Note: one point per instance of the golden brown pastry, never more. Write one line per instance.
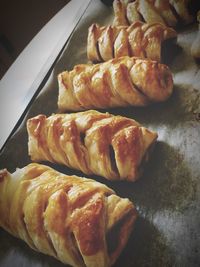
(167, 12)
(118, 82)
(195, 48)
(111, 146)
(78, 221)
(139, 39)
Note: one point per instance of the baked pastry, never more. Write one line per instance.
(118, 82)
(111, 146)
(78, 221)
(195, 48)
(167, 12)
(139, 39)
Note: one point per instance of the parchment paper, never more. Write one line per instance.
(167, 197)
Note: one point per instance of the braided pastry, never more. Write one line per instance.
(78, 221)
(167, 12)
(114, 147)
(140, 39)
(118, 82)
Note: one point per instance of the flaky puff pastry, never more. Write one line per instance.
(118, 82)
(111, 146)
(167, 12)
(139, 39)
(78, 221)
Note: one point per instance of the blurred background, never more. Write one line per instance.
(20, 21)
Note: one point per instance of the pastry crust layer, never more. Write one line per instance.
(168, 12)
(71, 218)
(114, 147)
(139, 39)
(124, 81)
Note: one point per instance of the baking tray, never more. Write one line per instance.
(167, 197)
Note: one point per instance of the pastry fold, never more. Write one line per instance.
(111, 146)
(76, 220)
(124, 81)
(139, 39)
(168, 12)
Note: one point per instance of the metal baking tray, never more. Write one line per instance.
(167, 197)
